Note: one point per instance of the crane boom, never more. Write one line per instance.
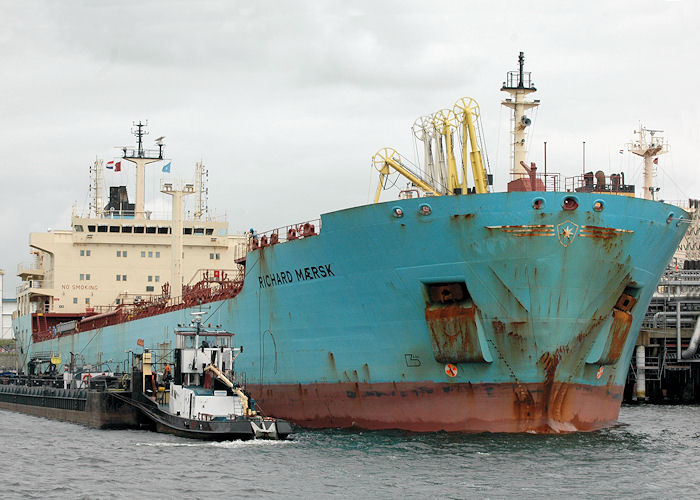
(444, 121)
(387, 158)
(467, 109)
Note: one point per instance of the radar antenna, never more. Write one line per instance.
(141, 157)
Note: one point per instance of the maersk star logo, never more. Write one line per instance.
(567, 231)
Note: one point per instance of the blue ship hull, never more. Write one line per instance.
(478, 313)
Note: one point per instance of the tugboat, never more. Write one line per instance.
(205, 398)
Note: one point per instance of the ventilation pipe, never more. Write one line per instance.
(694, 342)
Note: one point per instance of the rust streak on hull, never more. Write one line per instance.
(431, 406)
(453, 333)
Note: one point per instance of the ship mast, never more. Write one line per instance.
(649, 146)
(141, 157)
(201, 191)
(97, 187)
(177, 191)
(518, 84)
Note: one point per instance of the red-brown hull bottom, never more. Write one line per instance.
(458, 407)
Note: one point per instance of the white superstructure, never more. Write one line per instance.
(119, 254)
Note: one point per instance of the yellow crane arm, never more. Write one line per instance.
(236, 390)
(444, 121)
(220, 375)
(468, 109)
(388, 157)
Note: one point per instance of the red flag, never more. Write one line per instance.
(656, 161)
(118, 166)
(139, 342)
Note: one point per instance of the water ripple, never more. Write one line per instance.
(652, 453)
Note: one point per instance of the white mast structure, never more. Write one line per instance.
(201, 191)
(98, 188)
(178, 191)
(519, 85)
(649, 146)
(141, 157)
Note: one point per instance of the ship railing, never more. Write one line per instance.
(240, 250)
(207, 289)
(687, 204)
(33, 284)
(667, 319)
(32, 267)
(215, 276)
(690, 277)
(513, 80)
(142, 153)
(100, 309)
(534, 181)
(283, 234)
(598, 183)
(654, 366)
(158, 216)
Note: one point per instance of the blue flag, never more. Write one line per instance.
(166, 167)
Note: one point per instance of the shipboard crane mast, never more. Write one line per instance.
(467, 112)
(387, 158)
(423, 130)
(443, 178)
(445, 121)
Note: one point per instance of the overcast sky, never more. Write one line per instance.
(286, 102)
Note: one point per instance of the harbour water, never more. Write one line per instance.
(654, 452)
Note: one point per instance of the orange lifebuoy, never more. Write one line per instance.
(600, 372)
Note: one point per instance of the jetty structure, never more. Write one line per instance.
(666, 365)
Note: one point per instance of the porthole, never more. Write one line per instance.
(398, 212)
(569, 203)
(425, 209)
(598, 205)
(538, 203)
